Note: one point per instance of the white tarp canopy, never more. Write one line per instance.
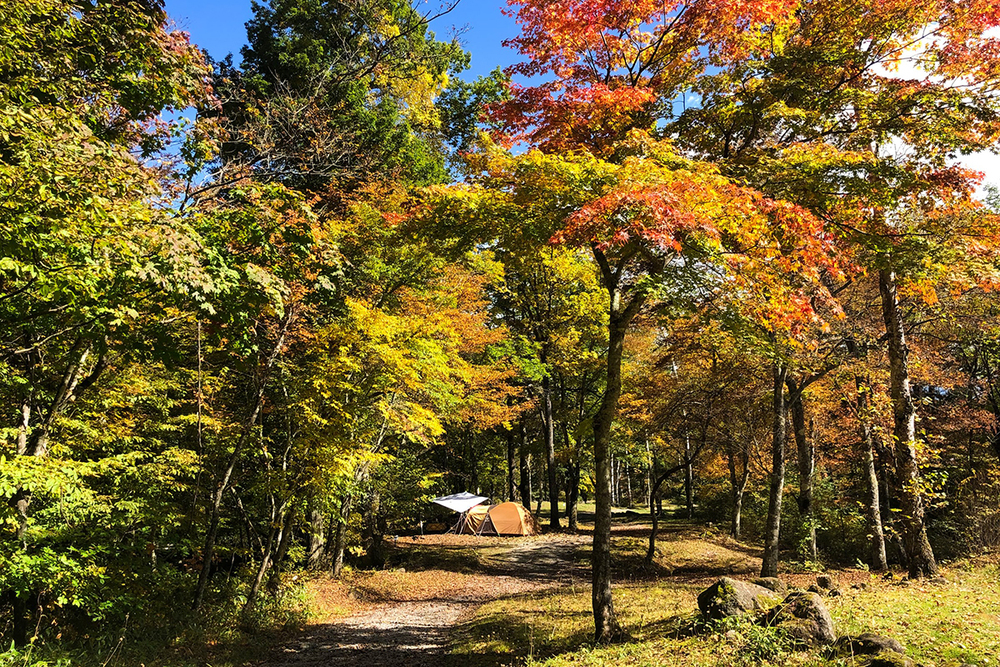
(460, 502)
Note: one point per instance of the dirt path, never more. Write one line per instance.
(418, 632)
(405, 633)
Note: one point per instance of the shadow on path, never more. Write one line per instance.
(419, 633)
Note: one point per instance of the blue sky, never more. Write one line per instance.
(218, 26)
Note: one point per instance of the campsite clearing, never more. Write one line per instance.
(467, 601)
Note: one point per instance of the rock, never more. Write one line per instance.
(772, 584)
(827, 581)
(859, 586)
(731, 597)
(804, 617)
(939, 581)
(867, 644)
(834, 593)
(814, 588)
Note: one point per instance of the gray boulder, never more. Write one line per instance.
(772, 584)
(732, 597)
(804, 617)
(867, 644)
(827, 581)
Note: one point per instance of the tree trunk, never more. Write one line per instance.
(737, 527)
(20, 621)
(317, 540)
(738, 481)
(510, 466)
(373, 525)
(606, 626)
(688, 478)
(573, 495)
(918, 549)
(769, 565)
(611, 478)
(525, 465)
(873, 507)
(24, 426)
(649, 473)
(620, 315)
(274, 581)
(549, 434)
(807, 464)
(340, 539)
(651, 549)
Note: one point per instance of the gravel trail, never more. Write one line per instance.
(418, 633)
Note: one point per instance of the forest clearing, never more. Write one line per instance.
(499, 332)
(490, 602)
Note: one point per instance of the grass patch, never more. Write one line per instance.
(944, 624)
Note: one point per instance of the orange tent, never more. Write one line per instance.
(503, 519)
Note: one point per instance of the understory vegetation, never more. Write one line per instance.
(711, 271)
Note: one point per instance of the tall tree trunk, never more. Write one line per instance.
(525, 465)
(510, 466)
(739, 477)
(25, 425)
(611, 479)
(340, 537)
(573, 495)
(807, 463)
(628, 485)
(549, 435)
(606, 626)
(317, 539)
(918, 549)
(873, 507)
(620, 316)
(772, 532)
(274, 581)
(208, 551)
(572, 483)
(649, 473)
(688, 478)
(373, 525)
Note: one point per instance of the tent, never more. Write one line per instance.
(503, 519)
(465, 504)
(459, 502)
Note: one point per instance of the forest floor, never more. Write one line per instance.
(486, 602)
(406, 615)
